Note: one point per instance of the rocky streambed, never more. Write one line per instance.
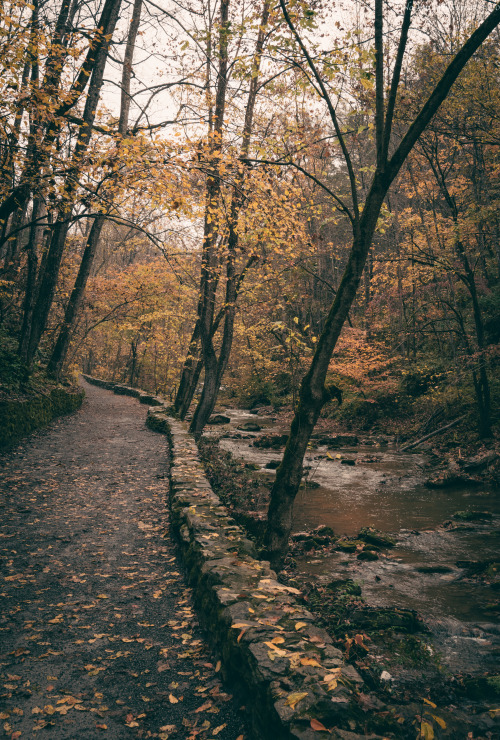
(425, 594)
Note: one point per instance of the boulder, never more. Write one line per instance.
(367, 555)
(271, 441)
(249, 426)
(374, 537)
(219, 419)
(449, 478)
(272, 464)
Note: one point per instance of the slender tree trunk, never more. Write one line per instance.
(48, 280)
(313, 394)
(62, 344)
(187, 387)
(216, 367)
(29, 293)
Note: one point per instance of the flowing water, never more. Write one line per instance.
(385, 489)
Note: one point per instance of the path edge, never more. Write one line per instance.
(21, 417)
(272, 655)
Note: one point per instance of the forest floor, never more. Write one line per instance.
(97, 628)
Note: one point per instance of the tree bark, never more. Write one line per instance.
(62, 344)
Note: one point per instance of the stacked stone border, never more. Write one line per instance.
(18, 418)
(287, 672)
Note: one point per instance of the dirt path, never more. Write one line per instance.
(97, 630)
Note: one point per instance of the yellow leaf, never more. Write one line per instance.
(278, 640)
(310, 661)
(430, 703)
(293, 699)
(426, 731)
(440, 721)
(172, 699)
(300, 625)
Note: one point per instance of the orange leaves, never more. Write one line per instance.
(318, 726)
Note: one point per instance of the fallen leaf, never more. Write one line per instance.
(102, 727)
(316, 725)
(293, 699)
(218, 729)
(426, 731)
(172, 699)
(218, 666)
(203, 707)
(310, 661)
(300, 625)
(440, 721)
(430, 703)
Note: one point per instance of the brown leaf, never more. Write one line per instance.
(317, 726)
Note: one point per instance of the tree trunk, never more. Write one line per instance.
(216, 367)
(62, 344)
(48, 280)
(313, 394)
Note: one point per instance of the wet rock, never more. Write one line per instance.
(474, 567)
(347, 461)
(249, 426)
(300, 536)
(449, 478)
(374, 537)
(346, 585)
(434, 569)
(473, 516)
(380, 619)
(346, 546)
(480, 462)
(369, 459)
(338, 440)
(367, 555)
(219, 419)
(272, 464)
(271, 441)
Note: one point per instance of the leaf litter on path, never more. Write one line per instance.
(97, 625)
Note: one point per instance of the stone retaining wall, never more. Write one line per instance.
(293, 681)
(19, 418)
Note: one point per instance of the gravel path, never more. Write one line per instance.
(97, 632)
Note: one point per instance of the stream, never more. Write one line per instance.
(433, 567)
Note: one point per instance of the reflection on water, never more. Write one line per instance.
(387, 494)
(384, 489)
